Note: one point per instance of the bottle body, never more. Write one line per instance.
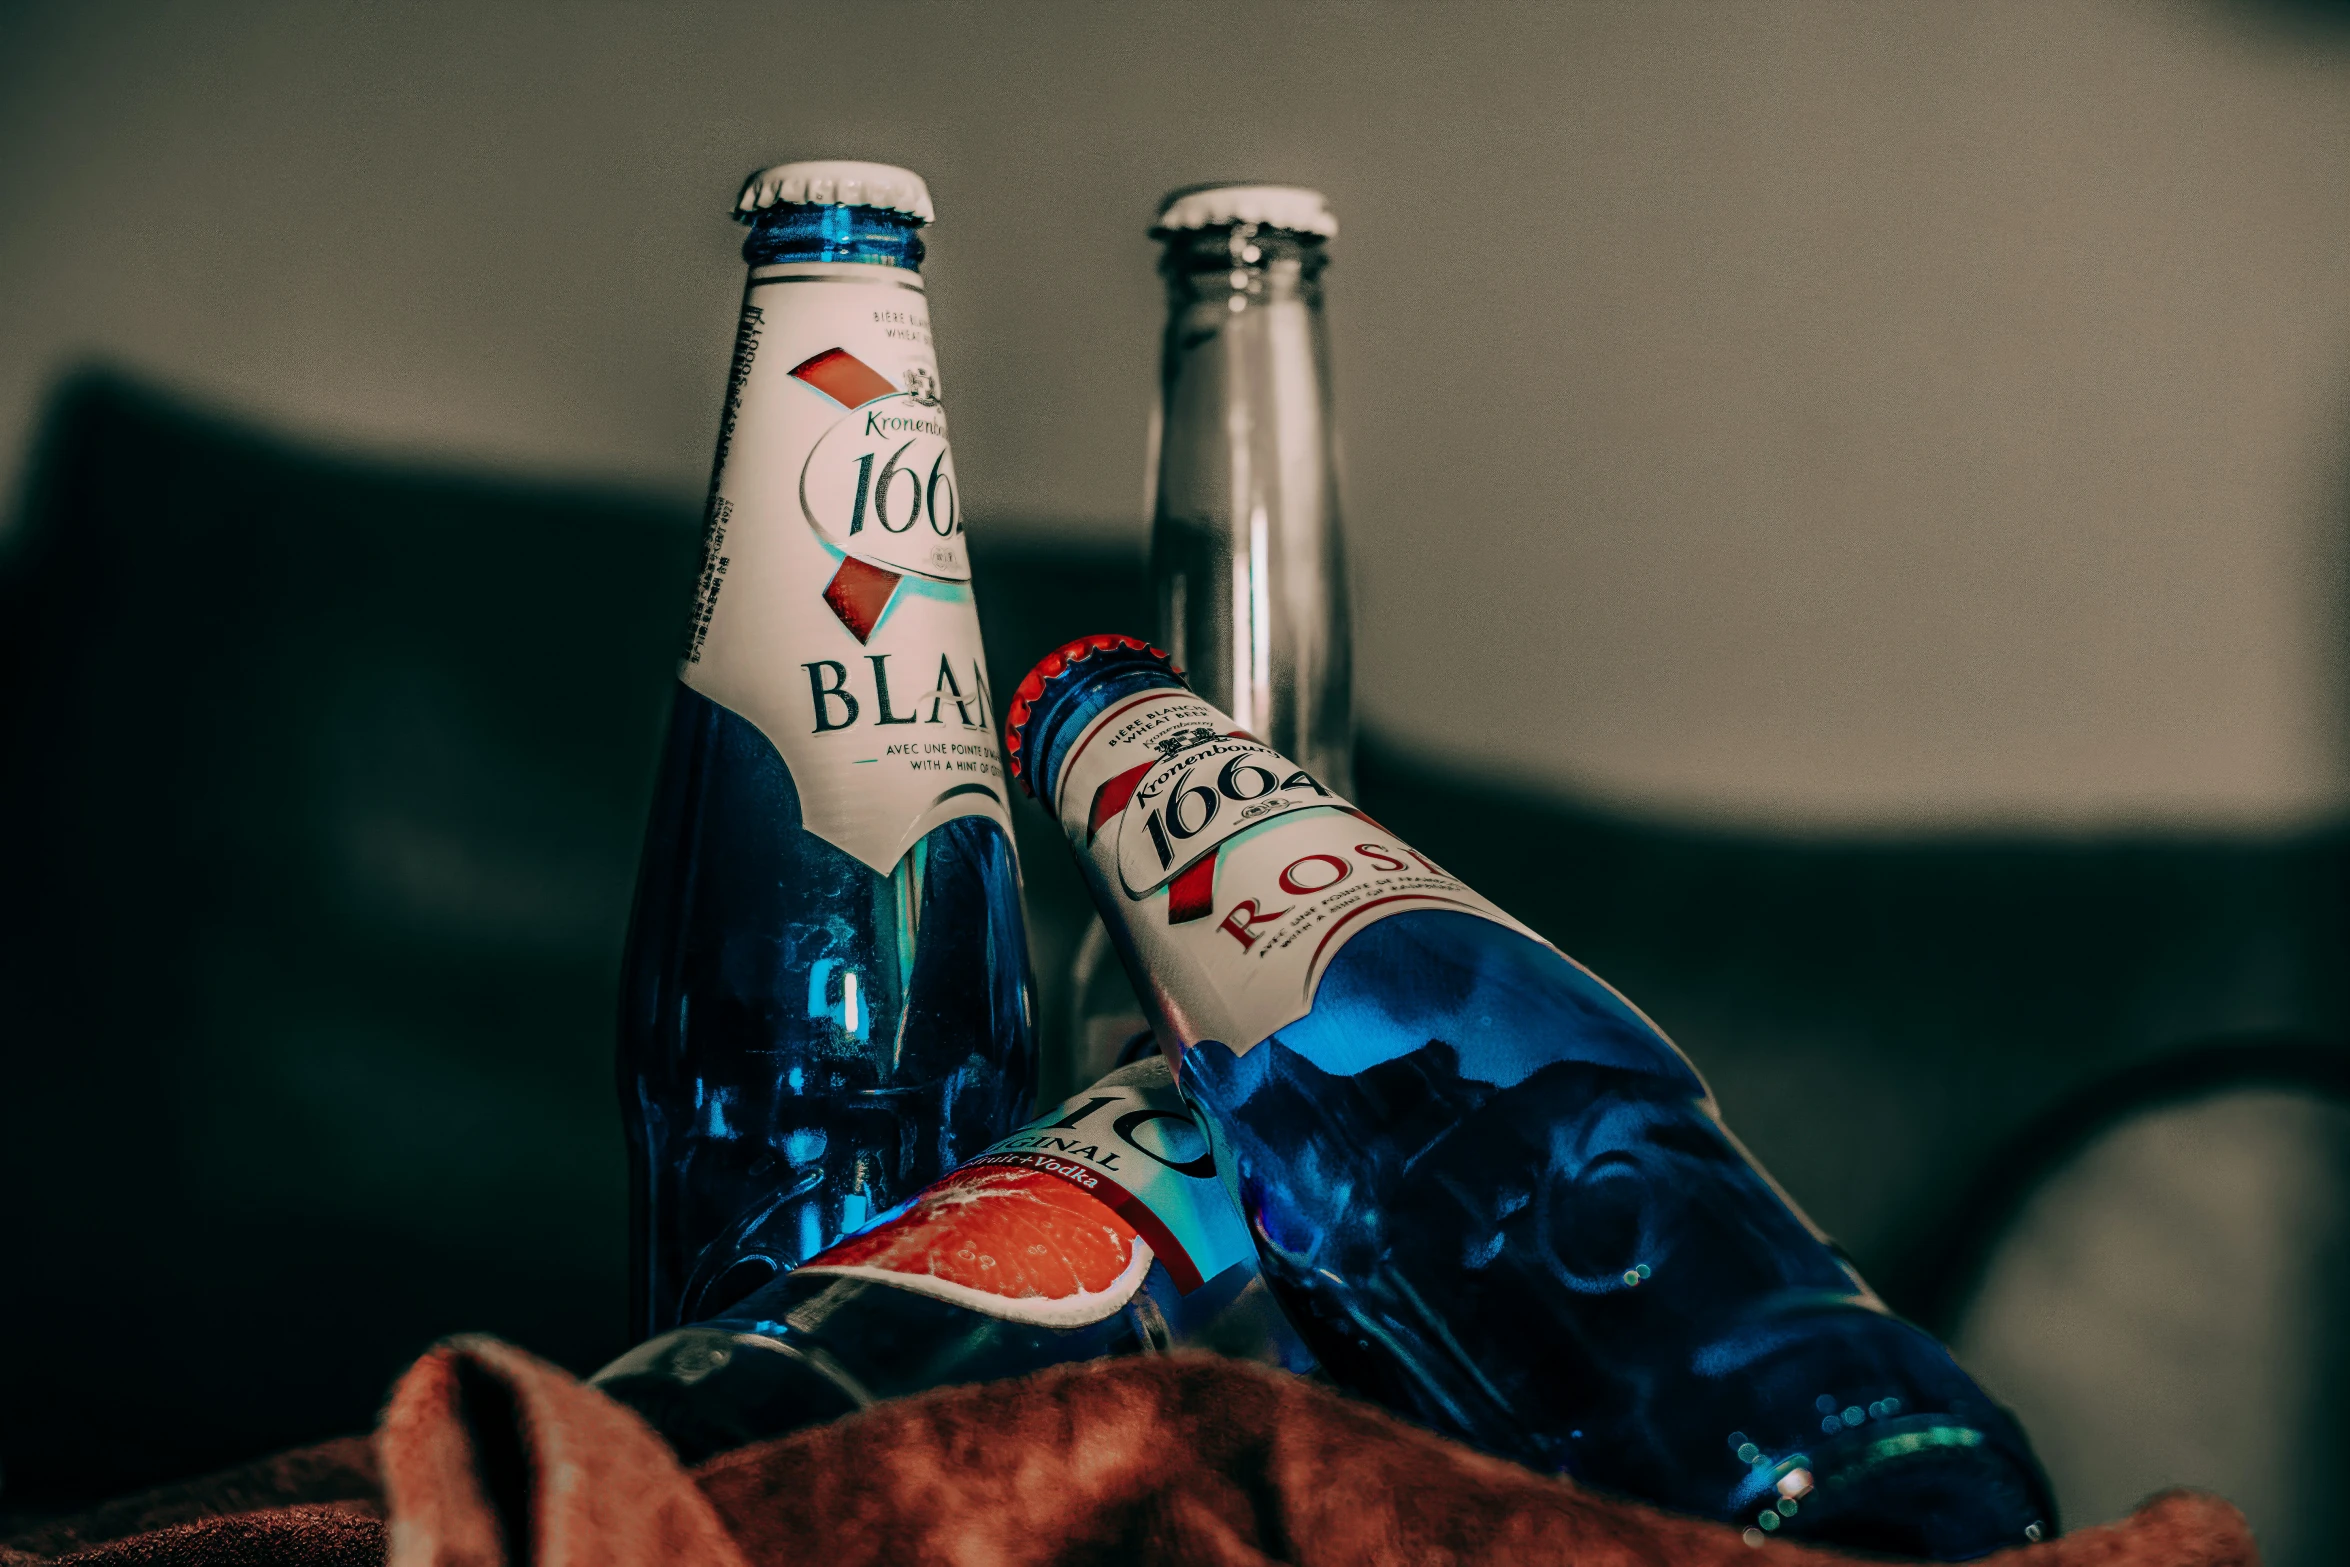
(826, 1000)
(806, 1043)
(1100, 1229)
(1248, 555)
(1485, 1189)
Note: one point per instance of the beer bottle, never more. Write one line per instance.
(1484, 1188)
(1098, 1229)
(1247, 557)
(826, 1001)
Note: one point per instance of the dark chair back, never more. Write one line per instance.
(2156, 1277)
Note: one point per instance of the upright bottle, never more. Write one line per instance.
(1247, 557)
(1483, 1187)
(826, 1002)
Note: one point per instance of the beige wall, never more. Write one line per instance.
(1813, 413)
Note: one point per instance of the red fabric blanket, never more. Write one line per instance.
(488, 1457)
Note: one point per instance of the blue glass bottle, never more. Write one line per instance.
(826, 997)
(1484, 1188)
(819, 1343)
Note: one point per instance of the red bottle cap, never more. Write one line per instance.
(1052, 664)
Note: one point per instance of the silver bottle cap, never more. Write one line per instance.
(1290, 207)
(835, 182)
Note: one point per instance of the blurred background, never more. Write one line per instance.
(1867, 486)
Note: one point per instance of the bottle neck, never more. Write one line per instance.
(1246, 549)
(876, 236)
(1071, 702)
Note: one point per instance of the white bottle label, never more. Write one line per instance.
(834, 610)
(1239, 875)
(1059, 1223)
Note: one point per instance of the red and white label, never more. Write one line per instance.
(834, 609)
(1058, 1223)
(1023, 1244)
(1238, 875)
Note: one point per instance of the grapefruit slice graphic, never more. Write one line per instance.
(1012, 1243)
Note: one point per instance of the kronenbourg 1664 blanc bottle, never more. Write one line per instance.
(1100, 1228)
(826, 1002)
(1484, 1188)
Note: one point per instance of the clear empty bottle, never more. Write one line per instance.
(826, 1001)
(1248, 559)
(1484, 1188)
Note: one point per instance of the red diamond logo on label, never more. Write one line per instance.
(1192, 895)
(859, 592)
(843, 377)
(1111, 798)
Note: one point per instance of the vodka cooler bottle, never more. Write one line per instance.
(826, 1002)
(1247, 557)
(1484, 1188)
(1098, 1229)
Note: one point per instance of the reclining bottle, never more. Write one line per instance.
(1484, 1188)
(1100, 1228)
(1248, 560)
(826, 1001)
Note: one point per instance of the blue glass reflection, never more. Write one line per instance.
(873, 235)
(803, 1041)
(1488, 1193)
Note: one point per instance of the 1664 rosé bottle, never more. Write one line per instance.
(1484, 1188)
(826, 1001)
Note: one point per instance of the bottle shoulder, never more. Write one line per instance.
(1496, 1003)
(722, 778)
(710, 1388)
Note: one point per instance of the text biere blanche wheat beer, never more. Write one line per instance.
(1484, 1188)
(826, 1001)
